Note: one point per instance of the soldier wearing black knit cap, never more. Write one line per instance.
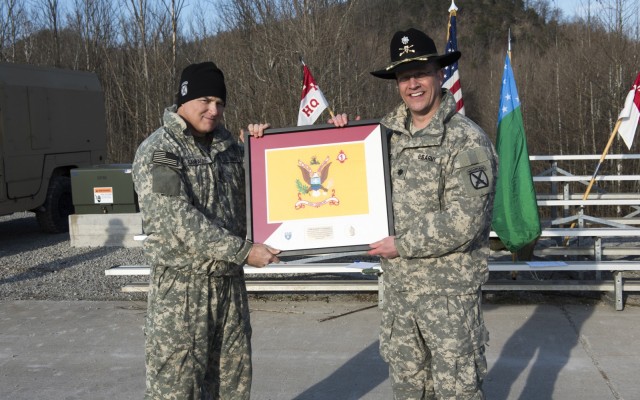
(190, 182)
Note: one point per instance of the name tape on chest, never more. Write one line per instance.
(424, 157)
(192, 162)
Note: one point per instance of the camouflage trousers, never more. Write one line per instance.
(198, 337)
(434, 345)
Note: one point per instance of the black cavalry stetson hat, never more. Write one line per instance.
(410, 47)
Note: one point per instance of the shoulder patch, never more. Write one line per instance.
(478, 178)
(165, 158)
(476, 172)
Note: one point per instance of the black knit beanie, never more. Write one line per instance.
(201, 80)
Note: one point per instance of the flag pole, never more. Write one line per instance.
(509, 45)
(452, 11)
(453, 7)
(595, 173)
(514, 255)
(604, 155)
(328, 107)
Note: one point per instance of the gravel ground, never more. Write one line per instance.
(42, 266)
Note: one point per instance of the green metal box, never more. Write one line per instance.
(103, 189)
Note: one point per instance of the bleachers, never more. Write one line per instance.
(603, 243)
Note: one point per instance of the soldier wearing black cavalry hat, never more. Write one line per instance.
(443, 169)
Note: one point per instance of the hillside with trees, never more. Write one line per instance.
(572, 74)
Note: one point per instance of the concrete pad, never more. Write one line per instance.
(97, 230)
(535, 353)
(318, 350)
(611, 341)
(71, 350)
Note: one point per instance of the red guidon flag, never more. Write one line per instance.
(630, 114)
(313, 102)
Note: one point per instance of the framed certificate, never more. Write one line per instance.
(319, 189)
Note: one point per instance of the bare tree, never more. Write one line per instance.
(13, 14)
(93, 21)
(49, 13)
(174, 8)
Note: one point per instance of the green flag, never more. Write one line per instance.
(515, 210)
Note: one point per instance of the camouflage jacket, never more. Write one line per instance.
(192, 201)
(443, 183)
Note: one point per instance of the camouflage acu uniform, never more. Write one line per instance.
(193, 207)
(432, 331)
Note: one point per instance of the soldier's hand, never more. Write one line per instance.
(262, 255)
(257, 130)
(385, 248)
(340, 120)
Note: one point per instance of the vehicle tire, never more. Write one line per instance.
(53, 216)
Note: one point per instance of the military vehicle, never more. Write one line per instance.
(51, 120)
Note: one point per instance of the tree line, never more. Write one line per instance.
(572, 73)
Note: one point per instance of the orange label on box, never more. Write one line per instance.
(103, 195)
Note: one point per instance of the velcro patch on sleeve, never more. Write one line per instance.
(165, 158)
(165, 180)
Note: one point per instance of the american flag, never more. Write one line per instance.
(451, 75)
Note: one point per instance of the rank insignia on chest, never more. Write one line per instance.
(165, 158)
(478, 178)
